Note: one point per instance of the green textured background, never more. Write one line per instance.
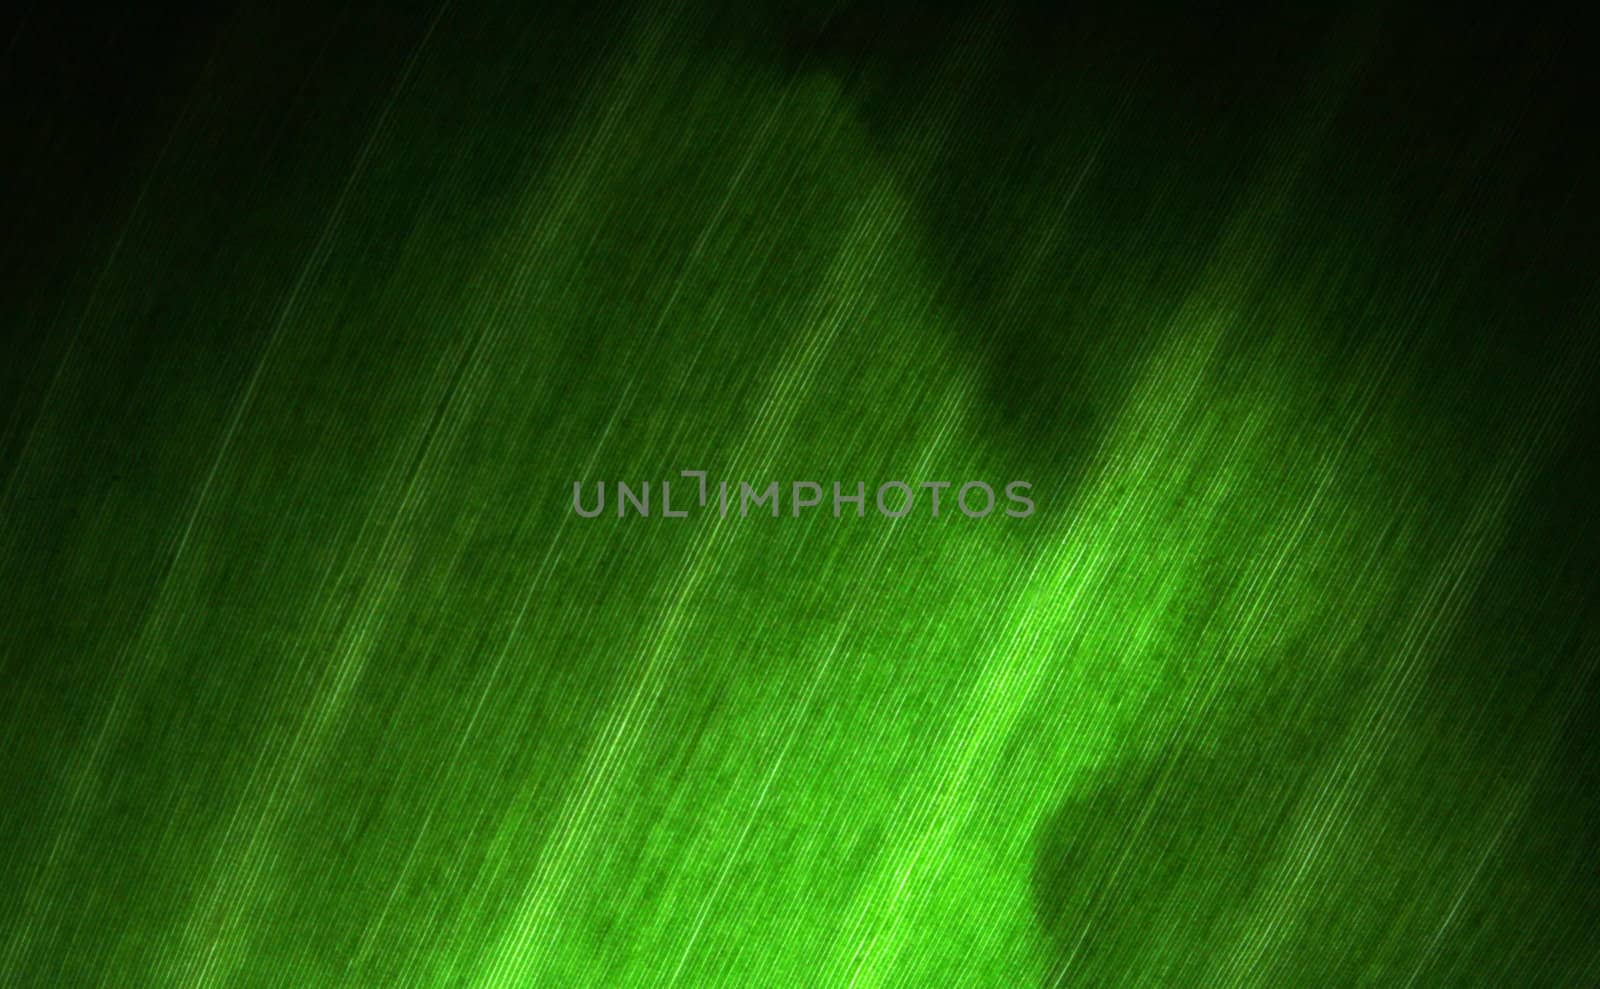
(312, 677)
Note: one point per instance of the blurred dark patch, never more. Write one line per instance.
(1095, 155)
(1165, 851)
